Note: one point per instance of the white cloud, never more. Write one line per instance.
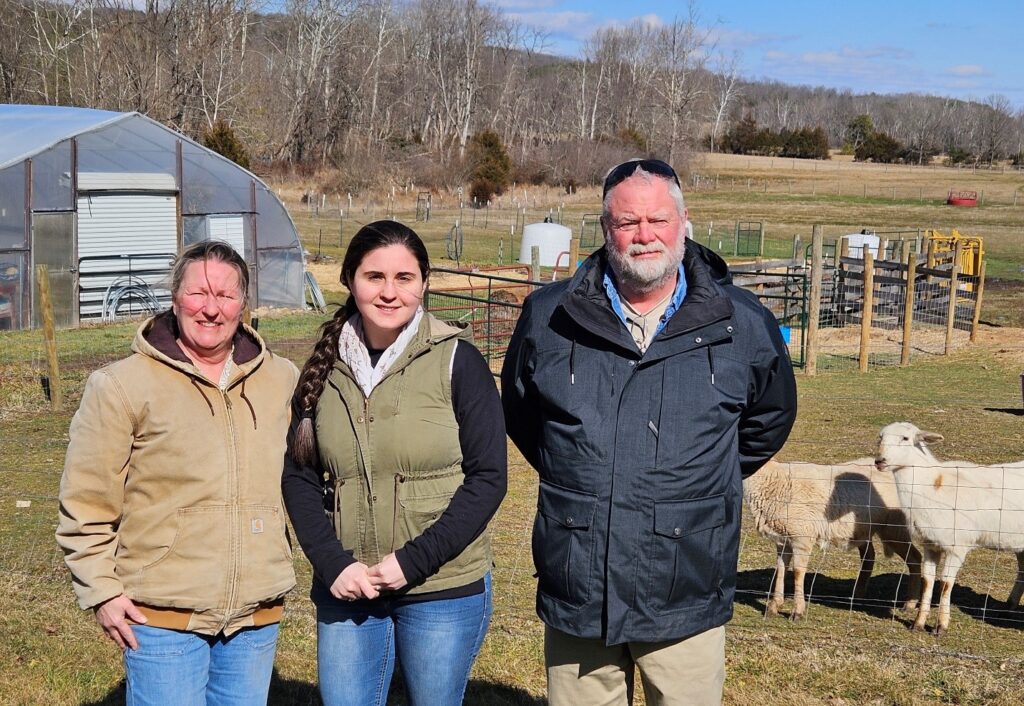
(966, 70)
(741, 39)
(896, 53)
(649, 20)
(522, 4)
(577, 25)
(820, 57)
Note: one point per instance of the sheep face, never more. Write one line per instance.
(903, 444)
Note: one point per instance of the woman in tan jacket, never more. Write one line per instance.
(170, 505)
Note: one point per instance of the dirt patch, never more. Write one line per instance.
(1005, 343)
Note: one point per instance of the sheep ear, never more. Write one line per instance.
(928, 437)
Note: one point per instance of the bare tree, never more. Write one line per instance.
(724, 90)
(995, 127)
(14, 67)
(678, 74)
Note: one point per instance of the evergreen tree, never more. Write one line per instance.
(491, 167)
(222, 139)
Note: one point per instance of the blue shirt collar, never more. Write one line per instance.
(673, 306)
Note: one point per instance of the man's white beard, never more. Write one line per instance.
(643, 276)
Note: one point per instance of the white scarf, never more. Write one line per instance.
(353, 352)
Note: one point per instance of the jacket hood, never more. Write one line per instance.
(717, 267)
(157, 338)
(443, 330)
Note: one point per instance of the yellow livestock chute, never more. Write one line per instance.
(942, 249)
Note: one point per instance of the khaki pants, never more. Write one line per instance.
(586, 672)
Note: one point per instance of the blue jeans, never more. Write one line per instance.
(174, 668)
(435, 642)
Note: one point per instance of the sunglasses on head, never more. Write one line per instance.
(627, 169)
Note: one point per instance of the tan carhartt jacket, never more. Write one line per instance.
(171, 491)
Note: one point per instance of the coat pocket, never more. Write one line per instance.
(266, 560)
(420, 501)
(686, 556)
(193, 572)
(563, 542)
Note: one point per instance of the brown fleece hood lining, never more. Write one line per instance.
(163, 334)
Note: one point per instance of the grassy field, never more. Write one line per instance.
(843, 654)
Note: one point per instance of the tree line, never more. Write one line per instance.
(395, 91)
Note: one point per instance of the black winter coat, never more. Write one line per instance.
(641, 457)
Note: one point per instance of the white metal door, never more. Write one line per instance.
(227, 227)
(122, 236)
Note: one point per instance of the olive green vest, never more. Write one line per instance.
(394, 458)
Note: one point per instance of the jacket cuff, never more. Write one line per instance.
(90, 597)
(332, 567)
(412, 576)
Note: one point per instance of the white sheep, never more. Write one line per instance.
(953, 507)
(798, 505)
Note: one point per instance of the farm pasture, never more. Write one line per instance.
(843, 652)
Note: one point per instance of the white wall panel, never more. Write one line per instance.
(122, 229)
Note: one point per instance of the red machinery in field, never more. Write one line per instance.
(962, 198)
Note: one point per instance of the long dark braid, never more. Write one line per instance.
(312, 381)
(325, 354)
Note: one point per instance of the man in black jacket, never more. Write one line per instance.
(643, 390)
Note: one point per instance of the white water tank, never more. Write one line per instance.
(859, 241)
(552, 239)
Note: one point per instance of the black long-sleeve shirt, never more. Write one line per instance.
(484, 464)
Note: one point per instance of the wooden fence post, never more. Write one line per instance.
(908, 309)
(797, 254)
(535, 263)
(50, 336)
(866, 312)
(574, 254)
(951, 306)
(930, 262)
(979, 290)
(814, 302)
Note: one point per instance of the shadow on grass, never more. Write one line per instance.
(289, 692)
(982, 606)
(484, 693)
(1013, 411)
(282, 691)
(753, 587)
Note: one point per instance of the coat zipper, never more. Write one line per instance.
(399, 479)
(234, 519)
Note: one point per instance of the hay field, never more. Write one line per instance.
(788, 196)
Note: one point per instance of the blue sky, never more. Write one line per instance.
(959, 49)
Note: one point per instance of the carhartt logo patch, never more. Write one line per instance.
(257, 525)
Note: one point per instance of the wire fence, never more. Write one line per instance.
(815, 521)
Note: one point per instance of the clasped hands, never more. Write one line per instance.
(361, 581)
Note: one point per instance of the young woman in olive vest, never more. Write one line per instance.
(398, 433)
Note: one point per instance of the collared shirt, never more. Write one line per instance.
(643, 327)
(616, 301)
